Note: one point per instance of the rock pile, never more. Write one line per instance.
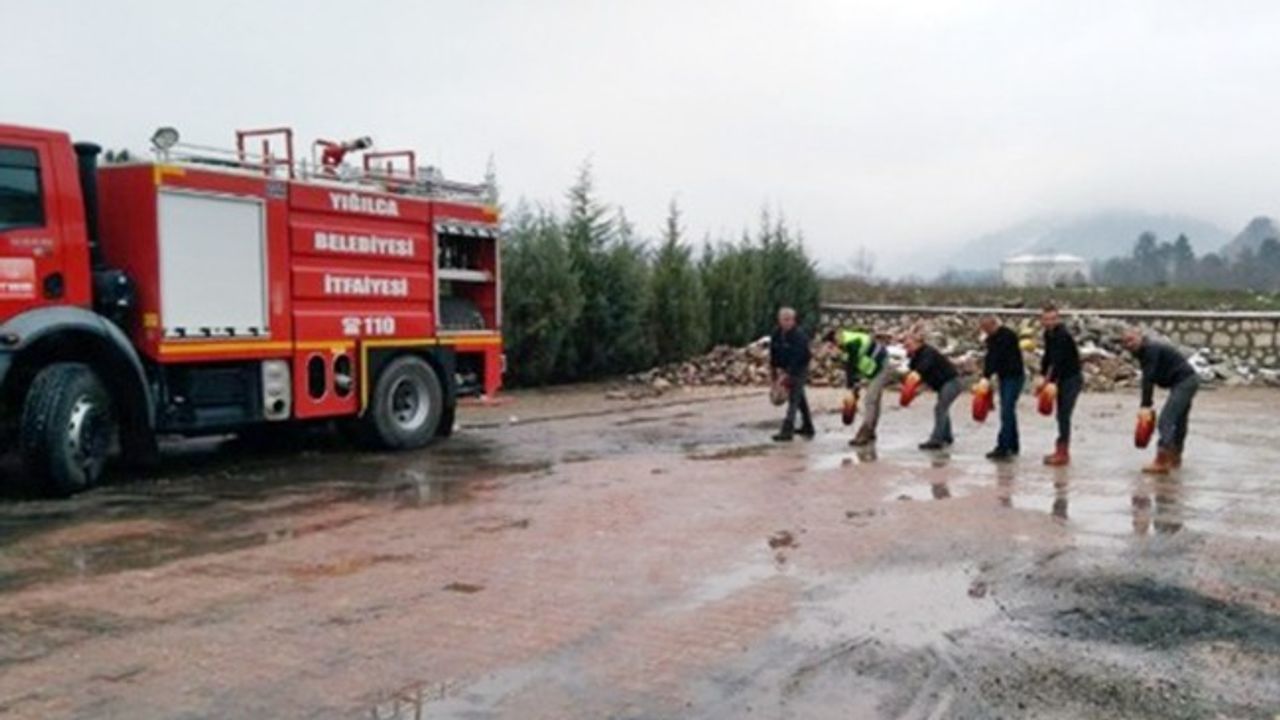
(1107, 366)
(725, 365)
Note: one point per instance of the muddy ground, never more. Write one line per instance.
(603, 559)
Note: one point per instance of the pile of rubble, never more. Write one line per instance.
(1107, 366)
(725, 365)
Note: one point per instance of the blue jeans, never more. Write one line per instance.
(1010, 390)
(1068, 393)
(1173, 417)
(947, 395)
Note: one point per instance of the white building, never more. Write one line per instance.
(1044, 271)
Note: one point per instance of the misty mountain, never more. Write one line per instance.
(1094, 236)
(1251, 237)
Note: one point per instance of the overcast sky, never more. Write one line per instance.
(904, 126)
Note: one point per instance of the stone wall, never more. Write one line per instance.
(1251, 338)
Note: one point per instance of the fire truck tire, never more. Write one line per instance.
(67, 428)
(406, 406)
(448, 419)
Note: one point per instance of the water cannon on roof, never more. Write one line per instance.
(332, 153)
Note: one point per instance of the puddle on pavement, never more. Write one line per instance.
(483, 698)
(719, 587)
(878, 645)
(837, 460)
(1101, 511)
(220, 494)
(217, 496)
(1106, 511)
(638, 420)
(646, 419)
(933, 484)
(950, 642)
(921, 489)
(410, 703)
(728, 453)
(901, 606)
(27, 636)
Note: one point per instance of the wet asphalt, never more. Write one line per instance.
(548, 562)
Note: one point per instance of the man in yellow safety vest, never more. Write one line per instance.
(865, 358)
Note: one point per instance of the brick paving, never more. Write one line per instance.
(589, 567)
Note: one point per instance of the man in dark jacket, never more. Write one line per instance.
(1004, 361)
(937, 372)
(789, 356)
(1163, 366)
(1061, 366)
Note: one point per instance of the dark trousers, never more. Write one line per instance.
(1010, 390)
(1068, 392)
(1172, 422)
(947, 395)
(797, 400)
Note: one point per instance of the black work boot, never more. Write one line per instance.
(784, 435)
(807, 431)
(866, 436)
(1000, 454)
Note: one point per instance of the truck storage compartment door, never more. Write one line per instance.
(354, 279)
(213, 274)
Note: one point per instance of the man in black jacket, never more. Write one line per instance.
(1164, 366)
(938, 373)
(1061, 366)
(1004, 360)
(789, 356)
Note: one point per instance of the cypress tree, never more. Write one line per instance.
(587, 230)
(680, 306)
(541, 299)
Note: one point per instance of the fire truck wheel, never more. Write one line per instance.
(448, 419)
(407, 402)
(67, 428)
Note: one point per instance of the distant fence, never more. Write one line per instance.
(1244, 335)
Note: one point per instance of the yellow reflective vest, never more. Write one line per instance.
(856, 347)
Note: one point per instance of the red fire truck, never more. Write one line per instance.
(203, 291)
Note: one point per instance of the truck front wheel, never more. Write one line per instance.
(405, 410)
(67, 428)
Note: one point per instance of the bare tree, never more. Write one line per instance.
(862, 264)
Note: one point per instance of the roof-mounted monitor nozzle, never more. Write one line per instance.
(333, 153)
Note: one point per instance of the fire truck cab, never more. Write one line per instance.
(203, 291)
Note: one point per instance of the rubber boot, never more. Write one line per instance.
(1061, 455)
(1162, 465)
(864, 437)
